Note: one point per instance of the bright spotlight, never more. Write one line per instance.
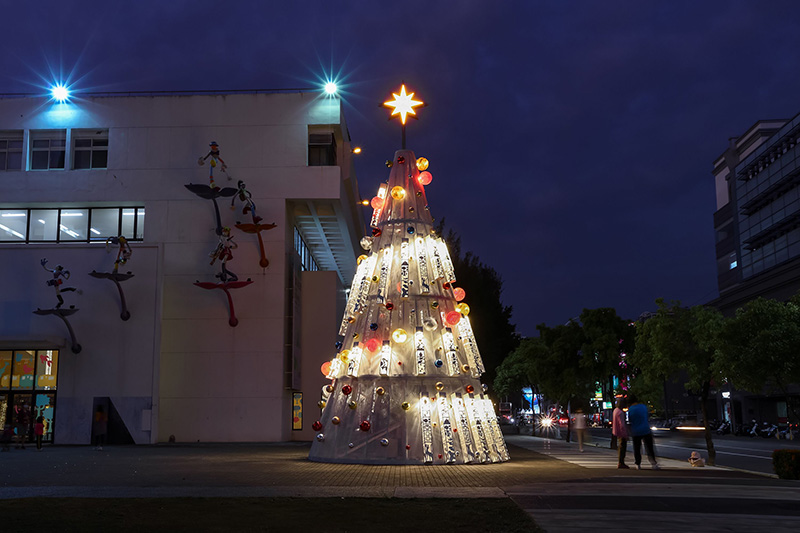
(330, 88)
(60, 93)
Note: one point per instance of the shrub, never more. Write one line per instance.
(786, 463)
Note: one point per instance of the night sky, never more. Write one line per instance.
(571, 143)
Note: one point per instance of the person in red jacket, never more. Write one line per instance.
(619, 428)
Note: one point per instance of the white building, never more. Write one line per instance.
(75, 173)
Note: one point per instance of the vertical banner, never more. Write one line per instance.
(297, 411)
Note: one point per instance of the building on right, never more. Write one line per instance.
(757, 224)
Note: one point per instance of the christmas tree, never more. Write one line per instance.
(405, 383)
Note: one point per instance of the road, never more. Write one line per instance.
(746, 453)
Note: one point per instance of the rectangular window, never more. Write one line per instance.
(71, 224)
(28, 383)
(74, 225)
(307, 261)
(48, 149)
(47, 369)
(10, 150)
(13, 224)
(90, 149)
(22, 373)
(321, 149)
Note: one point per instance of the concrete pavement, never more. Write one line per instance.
(564, 490)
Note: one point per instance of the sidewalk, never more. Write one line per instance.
(562, 489)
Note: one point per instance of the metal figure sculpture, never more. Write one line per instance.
(124, 253)
(215, 159)
(59, 275)
(224, 253)
(256, 226)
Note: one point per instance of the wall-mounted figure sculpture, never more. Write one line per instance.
(124, 253)
(60, 274)
(256, 226)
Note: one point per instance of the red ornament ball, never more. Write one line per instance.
(389, 306)
(316, 426)
(365, 425)
(376, 232)
(408, 446)
(459, 293)
(377, 202)
(446, 285)
(373, 345)
(401, 159)
(425, 178)
(347, 389)
(440, 456)
(453, 318)
(470, 389)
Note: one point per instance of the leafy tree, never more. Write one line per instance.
(760, 346)
(496, 335)
(679, 338)
(605, 335)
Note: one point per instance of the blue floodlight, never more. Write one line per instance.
(60, 93)
(330, 88)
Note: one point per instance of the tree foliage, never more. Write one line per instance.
(759, 347)
(496, 336)
(679, 338)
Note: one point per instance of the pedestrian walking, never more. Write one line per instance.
(641, 433)
(38, 430)
(579, 425)
(619, 428)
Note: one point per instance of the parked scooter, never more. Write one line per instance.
(724, 428)
(768, 430)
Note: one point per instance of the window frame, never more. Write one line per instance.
(138, 229)
(60, 136)
(7, 137)
(98, 142)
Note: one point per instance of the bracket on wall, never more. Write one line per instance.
(63, 314)
(225, 287)
(116, 277)
(209, 193)
(257, 228)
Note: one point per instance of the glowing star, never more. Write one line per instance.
(403, 104)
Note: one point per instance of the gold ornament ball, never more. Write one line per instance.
(328, 388)
(435, 304)
(465, 369)
(462, 308)
(398, 193)
(422, 163)
(321, 404)
(360, 258)
(381, 391)
(352, 404)
(439, 385)
(335, 420)
(399, 335)
(406, 406)
(344, 355)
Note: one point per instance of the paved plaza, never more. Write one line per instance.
(562, 488)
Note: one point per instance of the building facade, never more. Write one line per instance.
(757, 225)
(100, 166)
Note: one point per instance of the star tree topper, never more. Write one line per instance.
(403, 105)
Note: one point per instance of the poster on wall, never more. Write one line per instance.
(297, 411)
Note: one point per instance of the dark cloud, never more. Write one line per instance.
(571, 142)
